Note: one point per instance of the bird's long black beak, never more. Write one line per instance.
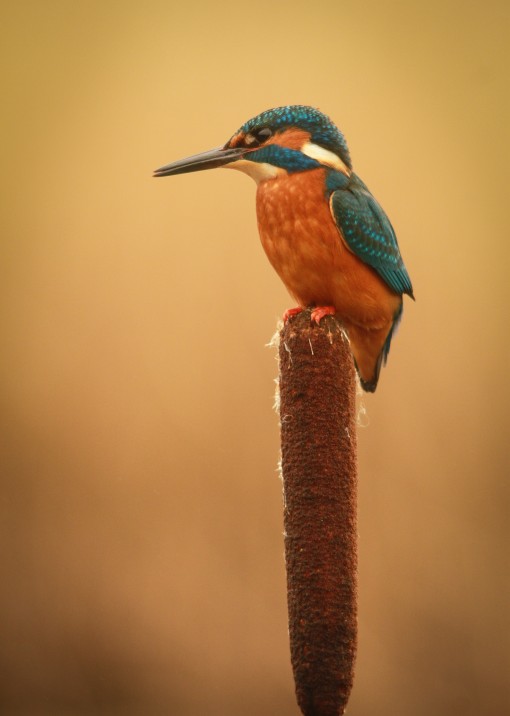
(206, 160)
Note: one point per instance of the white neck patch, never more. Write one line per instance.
(324, 156)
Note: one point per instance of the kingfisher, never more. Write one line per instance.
(324, 233)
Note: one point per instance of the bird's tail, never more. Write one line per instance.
(368, 357)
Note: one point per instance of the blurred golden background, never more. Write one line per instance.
(141, 516)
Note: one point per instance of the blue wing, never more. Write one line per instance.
(369, 233)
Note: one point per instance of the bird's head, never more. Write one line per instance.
(278, 141)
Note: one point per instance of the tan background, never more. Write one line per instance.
(140, 506)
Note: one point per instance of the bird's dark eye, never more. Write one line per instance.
(257, 137)
(263, 134)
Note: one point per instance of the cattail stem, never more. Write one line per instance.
(318, 440)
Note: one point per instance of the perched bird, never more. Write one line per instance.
(327, 237)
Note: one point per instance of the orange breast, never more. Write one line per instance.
(304, 245)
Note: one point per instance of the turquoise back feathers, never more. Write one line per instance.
(369, 234)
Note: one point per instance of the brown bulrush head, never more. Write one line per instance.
(318, 439)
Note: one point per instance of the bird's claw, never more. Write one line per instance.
(321, 311)
(291, 312)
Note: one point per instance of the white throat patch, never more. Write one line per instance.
(256, 170)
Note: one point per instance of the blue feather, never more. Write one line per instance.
(369, 233)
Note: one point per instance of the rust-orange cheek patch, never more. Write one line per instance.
(292, 138)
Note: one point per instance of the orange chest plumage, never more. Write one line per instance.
(298, 233)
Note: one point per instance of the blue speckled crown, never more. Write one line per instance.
(321, 128)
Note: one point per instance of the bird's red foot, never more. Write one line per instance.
(290, 312)
(321, 311)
